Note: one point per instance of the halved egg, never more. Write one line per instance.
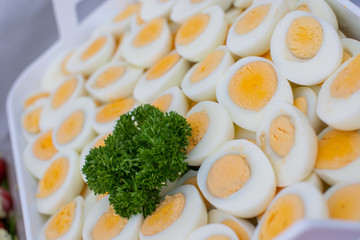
(343, 201)
(339, 96)
(241, 133)
(315, 180)
(232, 14)
(178, 214)
(166, 73)
(199, 83)
(238, 179)
(38, 153)
(248, 86)
(30, 120)
(113, 81)
(287, 138)
(102, 223)
(305, 48)
(136, 23)
(67, 223)
(251, 32)
(243, 229)
(201, 34)
(351, 48)
(60, 100)
(73, 130)
(60, 183)
(31, 99)
(213, 231)
(90, 202)
(107, 115)
(242, 3)
(172, 99)
(118, 56)
(151, 9)
(92, 54)
(148, 44)
(292, 204)
(211, 127)
(338, 157)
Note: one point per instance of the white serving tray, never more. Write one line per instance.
(72, 34)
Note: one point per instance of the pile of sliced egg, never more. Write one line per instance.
(269, 87)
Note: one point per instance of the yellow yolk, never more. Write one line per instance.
(114, 110)
(163, 102)
(303, 7)
(192, 28)
(70, 128)
(129, 11)
(344, 203)
(109, 76)
(32, 99)
(281, 135)
(64, 63)
(149, 33)
(101, 196)
(31, 121)
(207, 66)
(250, 20)
(193, 181)
(301, 104)
(61, 222)
(304, 37)
(253, 85)
(282, 214)
(101, 141)
(347, 81)
(43, 147)
(162, 66)
(168, 211)
(346, 56)
(227, 175)
(63, 93)
(240, 232)
(94, 47)
(199, 122)
(53, 178)
(267, 56)
(108, 226)
(218, 237)
(336, 149)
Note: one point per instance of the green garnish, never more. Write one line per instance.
(146, 148)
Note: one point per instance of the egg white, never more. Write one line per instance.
(35, 107)
(315, 180)
(151, 9)
(351, 45)
(242, 3)
(179, 102)
(213, 229)
(232, 14)
(241, 133)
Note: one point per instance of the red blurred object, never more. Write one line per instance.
(2, 169)
(5, 203)
(2, 225)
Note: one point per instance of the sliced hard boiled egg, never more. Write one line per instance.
(241, 133)
(151, 9)
(251, 32)
(60, 183)
(213, 231)
(338, 157)
(242, 3)
(248, 86)
(351, 48)
(136, 23)
(232, 14)
(35, 97)
(30, 120)
(306, 48)
(165, 73)
(90, 202)
(201, 34)
(211, 127)
(113, 81)
(178, 214)
(315, 180)
(199, 83)
(172, 99)
(287, 138)
(148, 44)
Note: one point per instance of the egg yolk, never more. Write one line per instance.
(304, 37)
(207, 66)
(32, 99)
(344, 203)
(336, 149)
(192, 28)
(108, 226)
(199, 122)
(63, 93)
(168, 211)
(114, 110)
(162, 66)
(303, 7)
(281, 135)
(301, 104)
(218, 237)
(253, 85)
(149, 33)
(251, 19)
(129, 11)
(346, 56)
(70, 128)
(94, 48)
(228, 175)
(64, 63)
(267, 55)
(163, 102)
(193, 181)
(139, 20)
(109, 76)
(61, 222)
(282, 214)
(347, 80)
(101, 196)
(101, 141)
(31, 121)
(240, 231)
(43, 147)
